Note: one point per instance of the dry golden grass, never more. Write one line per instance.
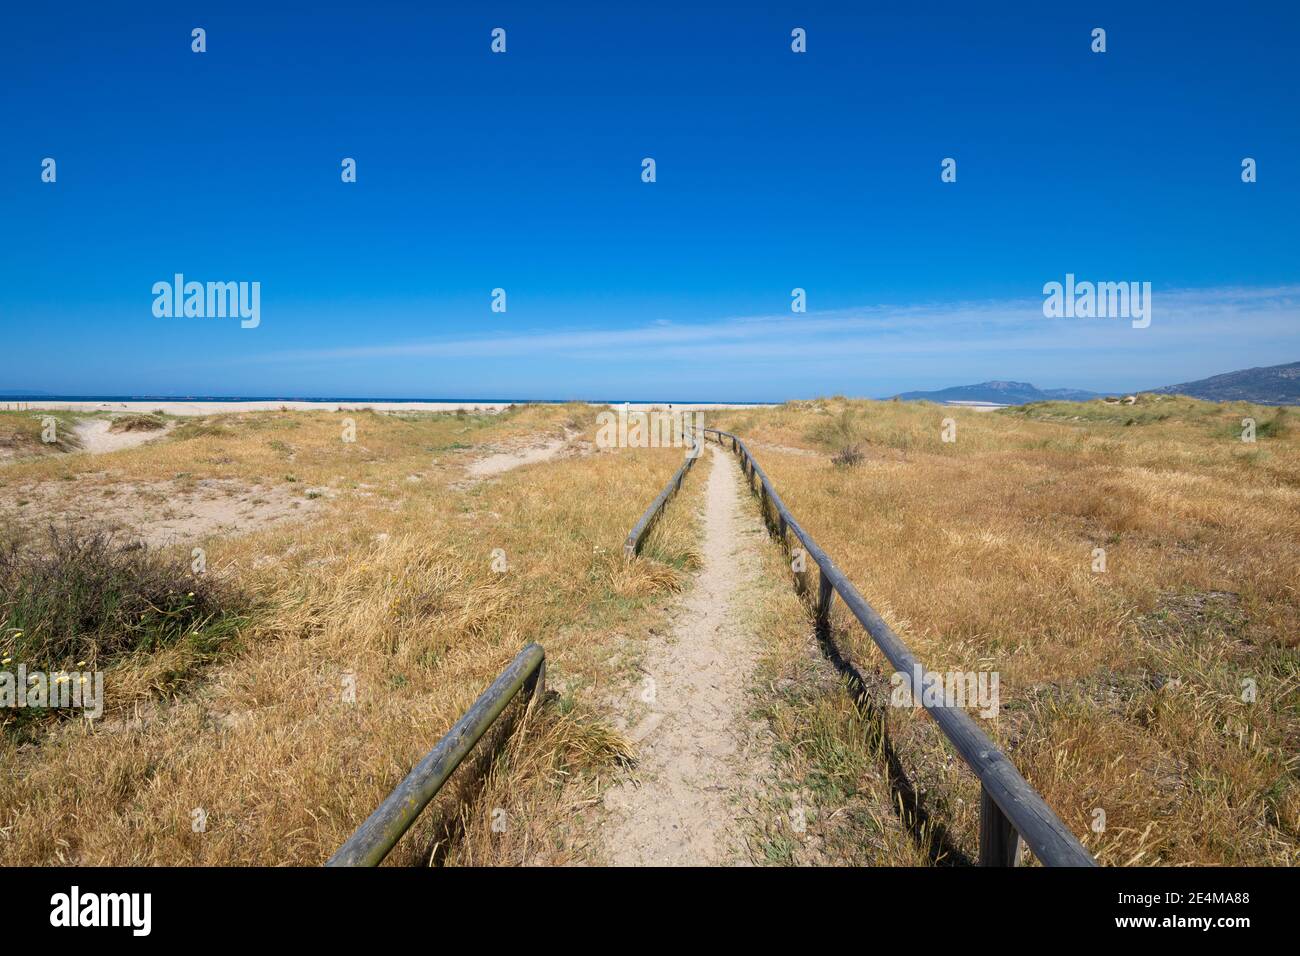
(1121, 691)
(830, 799)
(389, 588)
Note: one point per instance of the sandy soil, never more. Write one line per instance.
(498, 464)
(702, 760)
(95, 437)
(160, 513)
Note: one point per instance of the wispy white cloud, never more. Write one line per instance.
(1181, 318)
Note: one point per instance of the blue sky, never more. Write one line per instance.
(522, 171)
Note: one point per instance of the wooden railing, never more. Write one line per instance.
(1010, 810)
(383, 828)
(642, 528)
(377, 836)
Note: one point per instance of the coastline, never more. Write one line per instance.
(209, 407)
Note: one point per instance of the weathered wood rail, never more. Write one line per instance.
(383, 828)
(1010, 809)
(642, 528)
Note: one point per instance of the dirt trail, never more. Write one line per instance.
(501, 462)
(702, 760)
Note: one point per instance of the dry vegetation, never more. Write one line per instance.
(1120, 691)
(137, 423)
(369, 564)
(387, 587)
(21, 433)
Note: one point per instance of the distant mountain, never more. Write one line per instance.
(1001, 393)
(1272, 385)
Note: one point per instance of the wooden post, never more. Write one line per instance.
(825, 594)
(999, 841)
(1027, 820)
(536, 687)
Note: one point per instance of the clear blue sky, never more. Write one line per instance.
(522, 171)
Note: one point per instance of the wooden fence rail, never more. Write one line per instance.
(383, 828)
(642, 528)
(1010, 810)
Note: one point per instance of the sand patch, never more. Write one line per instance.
(98, 436)
(500, 462)
(160, 513)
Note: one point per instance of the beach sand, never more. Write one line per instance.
(172, 407)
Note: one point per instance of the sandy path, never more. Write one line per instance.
(498, 464)
(702, 760)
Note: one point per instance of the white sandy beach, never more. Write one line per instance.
(976, 406)
(171, 407)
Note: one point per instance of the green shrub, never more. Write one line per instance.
(73, 597)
